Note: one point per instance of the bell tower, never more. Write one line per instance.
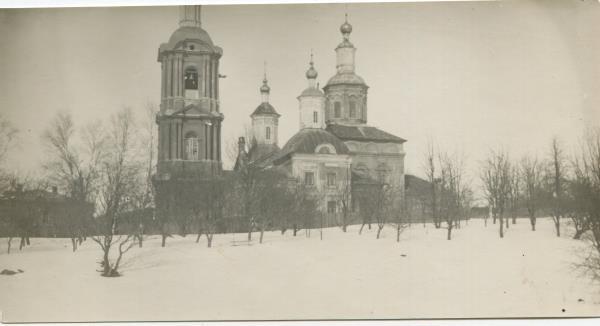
(189, 120)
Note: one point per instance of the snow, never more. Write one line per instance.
(345, 275)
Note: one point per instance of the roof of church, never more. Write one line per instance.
(263, 154)
(307, 140)
(363, 133)
(265, 108)
(311, 91)
(346, 79)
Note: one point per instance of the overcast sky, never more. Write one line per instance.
(472, 76)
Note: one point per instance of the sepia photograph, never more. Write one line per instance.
(306, 161)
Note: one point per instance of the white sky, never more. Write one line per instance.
(473, 76)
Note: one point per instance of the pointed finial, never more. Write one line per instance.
(311, 57)
(346, 28)
(265, 72)
(265, 89)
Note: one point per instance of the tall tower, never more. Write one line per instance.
(189, 121)
(265, 120)
(346, 92)
(312, 101)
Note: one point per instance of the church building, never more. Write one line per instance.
(335, 148)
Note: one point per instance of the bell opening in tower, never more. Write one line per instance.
(191, 83)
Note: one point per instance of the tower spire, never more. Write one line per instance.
(265, 89)
(189, 16)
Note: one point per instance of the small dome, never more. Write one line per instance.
(307, 140)
(311, 73)
(265, 86)
(346, 28)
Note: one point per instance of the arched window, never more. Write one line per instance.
(352, 112)
(325, 148)
(337, 109)
(191, 78)
(315, 117)
(192, 146)
(268, 135)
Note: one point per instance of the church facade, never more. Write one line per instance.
(335, 150)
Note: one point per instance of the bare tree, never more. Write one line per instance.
(515, 192)
(531, 174)
(72, 165)
(452, 190)
(430, 172)
(8, 134)
(495, 176)
(345, 195)
(585, 189)
(119, 175)
(556, 176)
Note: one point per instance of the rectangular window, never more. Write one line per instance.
(309, 178)
(331, 179)
(268, 133)
(352, 109)
(315, 117)
(331, 206)
(337, 110)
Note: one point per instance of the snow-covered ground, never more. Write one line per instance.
(345, 275)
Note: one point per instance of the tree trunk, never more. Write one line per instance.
(501, 227)
(249, 235)
(22, 244)
(141, 240)
(74, 244)
(209, 238)
(449, 237)
(532, 219)
(557, 225)
(106, 263)
(198, 237)
(379, 228)
(262, 232)
(514, 220)
(361, 228)
(295, 229)
(493, 219)
(398, 232)
(9, 244)
(507, 223)
(369, 225)
(164, 240)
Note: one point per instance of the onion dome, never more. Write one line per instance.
(312, 73)
(346, 28)
(265, 87)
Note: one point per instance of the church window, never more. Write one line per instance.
(191, 79)
(309, 178)
(324, 150)
(268, 136)
(315, 117)
(331, 179)
(191, 146)
(352, 109)
(331, 206)
(337, 109)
